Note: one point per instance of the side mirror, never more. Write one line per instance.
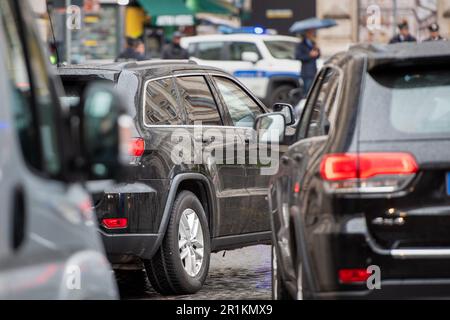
(271, 127)
(250, 56)
(287, 110)
(105, 132)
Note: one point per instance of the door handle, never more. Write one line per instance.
(298, 157)
(202, 139)
(18, 218)
(285, 160)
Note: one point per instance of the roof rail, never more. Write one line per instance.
(370, 47)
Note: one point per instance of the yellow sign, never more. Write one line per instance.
(279, 14)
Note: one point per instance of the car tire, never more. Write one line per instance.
(281, 94)
(168, 271)
(279, 290)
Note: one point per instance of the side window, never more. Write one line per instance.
(161, 107)
(242, 108)
(237, 48)
(33, 104)
(198, 101)
(210, 50)
(320, 111)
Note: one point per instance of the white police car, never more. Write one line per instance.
(265, 63)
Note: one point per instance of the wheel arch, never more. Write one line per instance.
(189, 182)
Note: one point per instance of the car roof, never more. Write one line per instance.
(149, 68)
(396, 54)
(238, 37)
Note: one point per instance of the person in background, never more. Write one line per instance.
(434, 33)
(140, 51)
(134, 50)
(174, 50)
(308, 53)
(404, 35)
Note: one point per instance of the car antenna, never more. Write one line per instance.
(58, 63)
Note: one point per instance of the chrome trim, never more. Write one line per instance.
(404, 254)
(203, 74)
(420, 253)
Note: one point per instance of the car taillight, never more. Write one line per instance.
(137, 147)
(115, 223)
(348, 276)
(368, 172)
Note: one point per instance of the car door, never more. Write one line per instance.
(289, 189)
(218, 145)
(242, 111)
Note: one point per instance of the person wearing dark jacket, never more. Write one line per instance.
(133, 51)
(308, 53)
(434, 33)
(403, 35)
(173, 50)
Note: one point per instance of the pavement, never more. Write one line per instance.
(243, 274)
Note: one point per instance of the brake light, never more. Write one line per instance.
(137, 147)
(115, 223)
(368, 172)
(348, 276)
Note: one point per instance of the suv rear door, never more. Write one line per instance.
(216, 141)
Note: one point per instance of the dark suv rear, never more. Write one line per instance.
(362, 200)
(171, 215)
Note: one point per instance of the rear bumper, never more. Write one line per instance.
(404, 274)
(123, 248)
(399, 289)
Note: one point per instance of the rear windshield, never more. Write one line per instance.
(406, 104)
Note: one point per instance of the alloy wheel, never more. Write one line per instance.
(191, 242)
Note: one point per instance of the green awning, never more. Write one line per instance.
(211, 6)
(168, 13)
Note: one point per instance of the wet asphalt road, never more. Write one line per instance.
(243, 274)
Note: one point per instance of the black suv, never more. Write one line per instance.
(171, 215)
(361, 203)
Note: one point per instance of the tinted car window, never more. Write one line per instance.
(407, 104)
(198, 101)
(209, 50)
(242, 108)
(237, 48)
(323, 104)
(161, 107)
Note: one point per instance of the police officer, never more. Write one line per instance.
(308, 53)
(434, 33)
(403, 35)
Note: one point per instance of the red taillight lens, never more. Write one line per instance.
(137, 147)
(115, 223)
(337, 167)
(348, 276)
(367, 172)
